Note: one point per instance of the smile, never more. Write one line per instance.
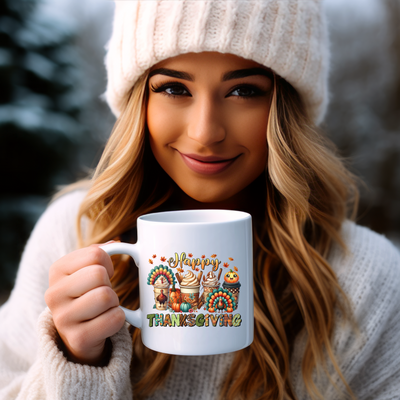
(207, 165)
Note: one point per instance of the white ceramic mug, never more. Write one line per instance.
(179, 254)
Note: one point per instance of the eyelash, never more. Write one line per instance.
(164, 86)
(257, 92)
(161, 88)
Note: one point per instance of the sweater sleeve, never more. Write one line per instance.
(371, 360)
(369, 273)
(31, 365)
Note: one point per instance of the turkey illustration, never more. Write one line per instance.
(162, 298)
(220, 300)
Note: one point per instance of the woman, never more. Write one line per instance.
(217, 106)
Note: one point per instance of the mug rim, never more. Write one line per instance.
(222, 216)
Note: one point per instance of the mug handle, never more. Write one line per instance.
(133, 317)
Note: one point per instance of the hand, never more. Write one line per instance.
(84, 306)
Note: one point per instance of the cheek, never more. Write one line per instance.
(251, 132)
(165, 121)
(164, 129)
(252, 120)
(156, 123)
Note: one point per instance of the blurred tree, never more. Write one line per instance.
(393, 19)
(40, 102)
(363, 118)
(94, 23)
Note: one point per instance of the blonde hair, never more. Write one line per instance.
(308, 194)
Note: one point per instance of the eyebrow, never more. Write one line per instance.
(240, 73)
(172, 73)
(243, 73)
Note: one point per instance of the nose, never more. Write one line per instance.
(206, 125)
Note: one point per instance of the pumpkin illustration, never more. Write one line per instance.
(176, 307)
(185, 306)
(231, 277)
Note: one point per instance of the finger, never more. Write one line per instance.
(78, 259)
(106, 324)
(90, 334)
(73, 286)
(89, 306)
(86, 279)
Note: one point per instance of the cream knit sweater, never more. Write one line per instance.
(32, 367)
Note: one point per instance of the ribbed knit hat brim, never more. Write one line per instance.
(288, 36)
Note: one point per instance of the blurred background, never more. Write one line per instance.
(53, 123)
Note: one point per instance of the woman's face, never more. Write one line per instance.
(207, 117)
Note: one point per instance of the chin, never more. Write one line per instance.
(211, 198)
(208, 199)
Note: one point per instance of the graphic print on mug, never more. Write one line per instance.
(195, 281)
(212, 307)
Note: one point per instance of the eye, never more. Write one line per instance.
(174, 89)
(246, 91)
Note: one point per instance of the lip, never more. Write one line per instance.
(209, 165)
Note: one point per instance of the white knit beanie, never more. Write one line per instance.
(288, 36)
